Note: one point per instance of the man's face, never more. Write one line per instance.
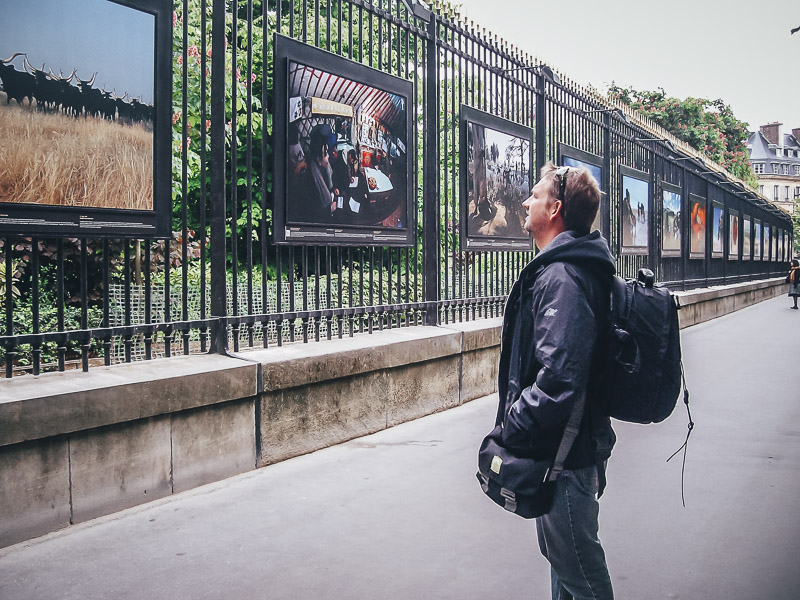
(537, 206)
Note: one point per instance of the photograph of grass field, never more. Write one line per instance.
(58, 160)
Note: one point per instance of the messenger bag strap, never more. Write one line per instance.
(570, 433)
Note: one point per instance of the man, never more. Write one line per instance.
(552, 320)
(320, 185)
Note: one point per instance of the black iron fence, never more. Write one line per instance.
(222, 283)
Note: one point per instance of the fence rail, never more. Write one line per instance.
(222, 283)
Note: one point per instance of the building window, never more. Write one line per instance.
(787, 192)
(776, 168)
(775, 193)
(761, 190)
(785, 169)
(797, 169)
(759, 167)
(797, 191)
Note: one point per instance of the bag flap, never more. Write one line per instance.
(509, 467)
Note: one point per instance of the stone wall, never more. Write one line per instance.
(75, 446)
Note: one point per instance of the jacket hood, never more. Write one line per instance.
(591, 250)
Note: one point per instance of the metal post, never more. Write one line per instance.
(219, 333)
(652, 244)
(541, 125)
(430, 183)
(605, 205)
(686, 229)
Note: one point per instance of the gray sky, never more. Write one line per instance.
(738, 51)
(93, 35)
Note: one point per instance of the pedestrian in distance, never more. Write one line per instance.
(793, 279)
(552, 321)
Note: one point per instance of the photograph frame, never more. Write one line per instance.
(718, 229)
(290, 231)
(766, 237)
(58, 221)
(734, 234)
(670, 188)
(758, 245)
(747, 237)
(698, 226)
(773, 243)
(635, 179)
(469, 239)
(587, 160)
(783, 245)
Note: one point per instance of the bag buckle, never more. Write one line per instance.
(510, 498)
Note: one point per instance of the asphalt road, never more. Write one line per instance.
(399, 514)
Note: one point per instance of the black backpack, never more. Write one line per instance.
(640, 375)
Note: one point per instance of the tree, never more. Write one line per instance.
(709, 126)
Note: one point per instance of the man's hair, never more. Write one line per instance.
(581, 197)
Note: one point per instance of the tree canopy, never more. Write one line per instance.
(709, 126)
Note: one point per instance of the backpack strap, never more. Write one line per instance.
(570, 433)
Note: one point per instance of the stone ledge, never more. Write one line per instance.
(57, 403)
(302, 364)
(478, 334)
(723, 291)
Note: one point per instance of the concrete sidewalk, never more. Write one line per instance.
(399, 514)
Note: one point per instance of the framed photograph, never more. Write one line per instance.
(496, 159)
(572, 157)
(733, 235)
(747, 235)
(697, 226)
(717, 229)
(671, 213)
(634, 213)
(774, 244)
(783, 245)
(86, 107)
(342, 130)
(767, 255)
(775, 255)
(757, 247)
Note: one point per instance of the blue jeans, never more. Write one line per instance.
(568, 539)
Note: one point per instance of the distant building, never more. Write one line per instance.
(775, 158)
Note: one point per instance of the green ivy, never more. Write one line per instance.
(709, 126)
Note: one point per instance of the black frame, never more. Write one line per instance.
(773, 237)
(694, 198)
(758, 227)
(783, 245)
(625, 171)
(731, 214)
(747, 234)
(675, 189)
(298, 233)
(765, 244)
(587, 158)
(721, 207)
(72, 221)
(469, 115)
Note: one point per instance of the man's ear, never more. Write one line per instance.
(555, 209)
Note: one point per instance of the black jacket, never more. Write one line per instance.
(553, 315)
